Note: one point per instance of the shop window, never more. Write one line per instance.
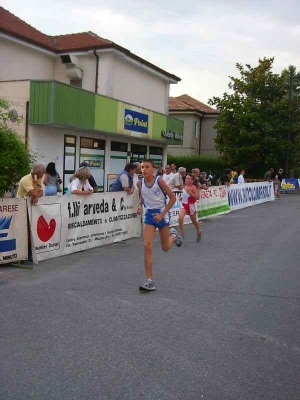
(88, 143)
(156, 155)
(92, 151)
(69, 159)
(119, 146)
(138, 152)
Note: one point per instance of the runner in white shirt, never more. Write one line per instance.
(153, 191)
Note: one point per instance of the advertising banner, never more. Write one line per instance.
(65, 224)
(213, 201)
(13, 230)
(289, 185)
(249, 194)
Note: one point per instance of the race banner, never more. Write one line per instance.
(66, 224)
(13, 230)
(289, 185)
(250, 194)
(212, 202)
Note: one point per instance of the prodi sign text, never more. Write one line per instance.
(135, 121)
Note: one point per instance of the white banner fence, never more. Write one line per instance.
(62, 225)
(13, 230)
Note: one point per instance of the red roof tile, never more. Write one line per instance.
(14, 26)
(175, 105)
(82, 40)
(196, 104)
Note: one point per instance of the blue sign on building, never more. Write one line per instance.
(135, 121)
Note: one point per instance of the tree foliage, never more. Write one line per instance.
(14, 160)
(252, 125)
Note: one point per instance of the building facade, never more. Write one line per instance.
(199, 132)
(84, 98)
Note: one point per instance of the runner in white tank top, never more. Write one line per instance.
(153, 192)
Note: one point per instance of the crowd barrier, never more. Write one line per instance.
(62, 225)
(289, 185)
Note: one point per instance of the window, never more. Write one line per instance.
(119, 146)
(196, 129)
(88, 143)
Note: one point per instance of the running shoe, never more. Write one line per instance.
(147, 286)
(199, 237)
(178, 239)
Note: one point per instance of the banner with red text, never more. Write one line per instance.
(213, 201)
(13, 230)
(65, 224)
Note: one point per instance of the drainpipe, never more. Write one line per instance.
(97, 70)
(200, 135)
(26, 125)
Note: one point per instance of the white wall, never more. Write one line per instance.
(125, 81)
(17, 94)
(21, 62)
(60, 71)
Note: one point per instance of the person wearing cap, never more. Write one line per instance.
(91, 179)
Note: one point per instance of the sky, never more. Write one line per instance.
(197, 41)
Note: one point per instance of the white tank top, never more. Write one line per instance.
(153, 196)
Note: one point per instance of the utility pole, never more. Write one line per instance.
(289, 125)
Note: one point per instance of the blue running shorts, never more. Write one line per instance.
(149, 218)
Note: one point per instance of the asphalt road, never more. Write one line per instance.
(223, 324)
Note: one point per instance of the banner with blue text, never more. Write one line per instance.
(13, 230)
(249, 194)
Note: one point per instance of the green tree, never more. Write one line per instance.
(252, 124)
(14, 160)
(292, 85)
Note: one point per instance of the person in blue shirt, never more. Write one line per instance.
(124, 181)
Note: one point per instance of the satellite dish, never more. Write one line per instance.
(13, 115)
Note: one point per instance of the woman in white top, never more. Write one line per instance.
(241, 177)
(80, 183)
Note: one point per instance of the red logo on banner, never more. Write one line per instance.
(45, 231)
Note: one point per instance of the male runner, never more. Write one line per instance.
(153, 191)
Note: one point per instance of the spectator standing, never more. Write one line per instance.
(124, 181)
(31, 185)
(269, 175)
(52, 180)
(137, 175)
(241, 179)
(92, 181)
(160, 171)
(173, 169)
(235, 177)
(225, 179)
(80, 184)
(200, 182)
(177, 181)
(168, 174)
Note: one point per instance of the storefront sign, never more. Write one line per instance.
(64, 225)
(13, 230)
(249, 194)
(135, 121)
(289, 185)
(171, 135)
